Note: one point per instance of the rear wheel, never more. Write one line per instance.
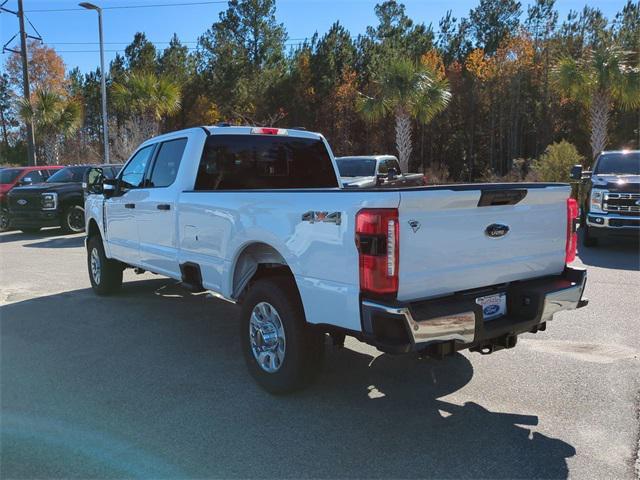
(282, 352)
(73, 219)
(105, 274)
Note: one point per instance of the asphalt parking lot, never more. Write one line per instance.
(151, 383)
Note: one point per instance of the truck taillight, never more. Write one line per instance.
(377, 236)
(572, 235)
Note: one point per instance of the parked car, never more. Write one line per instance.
(259, 217)
(11, 177)
(59, 201)
(375, 171)
(610, 196)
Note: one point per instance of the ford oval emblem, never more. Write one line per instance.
(22, 201)
(491, 309)
(638, 202)
(496, 230)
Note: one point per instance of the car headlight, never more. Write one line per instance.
(596, 200)
(49, 201)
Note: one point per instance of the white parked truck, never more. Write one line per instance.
(258, 217)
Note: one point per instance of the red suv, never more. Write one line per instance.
(11, 177)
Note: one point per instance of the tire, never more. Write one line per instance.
(588, 240)
(105, 274)
(30, 230)
(73, 219)
(5, 224)
(295, 358)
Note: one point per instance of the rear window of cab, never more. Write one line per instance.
(250, 162)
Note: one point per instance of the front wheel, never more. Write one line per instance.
(588, 240)
(4, 220)
(282, 352)
(73, 219)
(105, 274)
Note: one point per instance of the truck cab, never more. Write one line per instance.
(610, 196)
(368, 171)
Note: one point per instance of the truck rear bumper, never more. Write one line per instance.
(446, 325)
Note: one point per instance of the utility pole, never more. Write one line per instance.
(31, 149)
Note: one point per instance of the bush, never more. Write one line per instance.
(555, 163)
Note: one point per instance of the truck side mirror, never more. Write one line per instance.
(93, 181)
(110, 187)
(576, 172)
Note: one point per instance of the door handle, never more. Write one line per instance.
(129, 205)
(163, 206)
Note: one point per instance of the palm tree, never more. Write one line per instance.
(409, 91)
(598, 80)
(54, 117)
(148, 97)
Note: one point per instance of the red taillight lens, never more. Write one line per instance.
(572, 235)
(377, 235)
(268, 131)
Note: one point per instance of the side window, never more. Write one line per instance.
(34, 176)
(394, 164)
(165, 168)
(133, 174)
(245, 162)
(383, 167)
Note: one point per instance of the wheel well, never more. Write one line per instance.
(93, 229)
(257, 260)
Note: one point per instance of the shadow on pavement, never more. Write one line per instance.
(64, 242)
(151, 383)
(616, 253)
(17, 236)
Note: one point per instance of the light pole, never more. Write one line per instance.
(103, 86)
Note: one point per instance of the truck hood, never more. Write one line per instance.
(619, 183)
(48, 187)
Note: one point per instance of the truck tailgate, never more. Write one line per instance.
(445, 242)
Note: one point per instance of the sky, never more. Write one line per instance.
(73, 31)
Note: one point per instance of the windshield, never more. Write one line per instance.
(618, 164)
(356, 167)
(68, 175)
(9, 175)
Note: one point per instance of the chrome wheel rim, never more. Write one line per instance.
(75, 219)
(95, 266)
(267, 337)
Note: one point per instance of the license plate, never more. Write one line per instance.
(493, 306)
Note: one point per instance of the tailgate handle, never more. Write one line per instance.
(501, 197)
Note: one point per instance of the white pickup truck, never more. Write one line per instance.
(258, 217)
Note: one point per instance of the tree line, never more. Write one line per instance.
(477, 97)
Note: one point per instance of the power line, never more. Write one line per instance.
(130, 6)
(122, 50)
(155, 43)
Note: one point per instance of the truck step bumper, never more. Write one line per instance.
(456, 322)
